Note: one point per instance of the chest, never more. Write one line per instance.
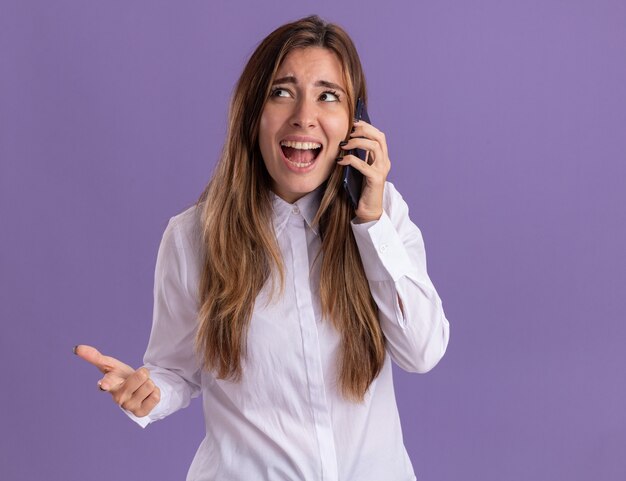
(289, 342)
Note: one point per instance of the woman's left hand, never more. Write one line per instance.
(375, 170)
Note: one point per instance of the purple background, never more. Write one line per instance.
(506, 124)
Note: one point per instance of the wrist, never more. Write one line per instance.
(366, 218)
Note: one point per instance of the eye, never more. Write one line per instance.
(279, 92)
(329, 96)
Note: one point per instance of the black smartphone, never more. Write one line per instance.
(352, 178)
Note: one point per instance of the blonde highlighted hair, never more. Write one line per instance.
(241, 253)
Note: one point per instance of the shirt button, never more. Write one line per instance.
(383, 248)
(295, 209)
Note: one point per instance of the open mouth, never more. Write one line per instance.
(300, 154)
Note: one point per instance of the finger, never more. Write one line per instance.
(139, 396)
(357, 163)
(103, 363)
(371, 146)
(149, 403)
(123, 393)
(110, 381)
(91, 355)
(363, 129)
(361, 143)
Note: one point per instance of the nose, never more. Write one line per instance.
(304, 113)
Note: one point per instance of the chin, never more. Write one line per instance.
(292, 191)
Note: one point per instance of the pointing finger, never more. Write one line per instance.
(91, 355)
(103, 363)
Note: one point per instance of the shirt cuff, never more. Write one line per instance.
(383, 254)
(142, 421)
(158, 412)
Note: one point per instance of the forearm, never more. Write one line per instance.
(413, 322)
(410, 309)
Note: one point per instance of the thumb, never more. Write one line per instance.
(110, 382)
(105, 364)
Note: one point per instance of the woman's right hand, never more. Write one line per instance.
(131, 389)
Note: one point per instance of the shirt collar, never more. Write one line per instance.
(307, 206)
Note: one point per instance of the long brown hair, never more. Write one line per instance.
(241, 253)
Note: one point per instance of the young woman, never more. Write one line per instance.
(276, 299)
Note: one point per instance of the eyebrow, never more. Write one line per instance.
(290, 79)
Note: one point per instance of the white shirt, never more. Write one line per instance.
(286, 419)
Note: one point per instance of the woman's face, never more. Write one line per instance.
(303, 121)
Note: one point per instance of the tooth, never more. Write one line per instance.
(300, 145)
(300, 164)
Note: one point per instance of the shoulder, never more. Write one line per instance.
(185, 229)
(187, 219)
(181, 247)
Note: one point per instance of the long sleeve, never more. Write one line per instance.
(410, 310)
(287, 416)
(170, 354)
